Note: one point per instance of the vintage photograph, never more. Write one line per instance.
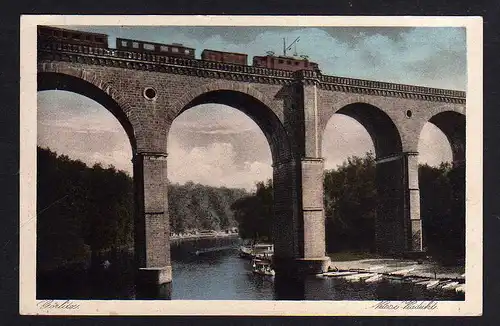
(240, 160)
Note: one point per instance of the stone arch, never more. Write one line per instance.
(262, 110)
(286, 175)
(452, 124)
(380, 126)
(182, 103)
(393, 229)
(88, 85)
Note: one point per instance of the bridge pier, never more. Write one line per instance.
(412, 202)
(299, 222)
(313, 258)
(398, 228)
(152, 228)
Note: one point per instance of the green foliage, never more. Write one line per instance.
(350, 205)
(80, 209)
(350, 197)
(85, 209)
(442, 194)
(254, 213)
(198, 207)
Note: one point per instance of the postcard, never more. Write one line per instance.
(251, 165)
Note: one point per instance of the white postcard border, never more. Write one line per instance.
(472, 306)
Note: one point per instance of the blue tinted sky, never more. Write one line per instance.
(427, 56)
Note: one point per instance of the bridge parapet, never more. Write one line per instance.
(372, 87)
(61, 51)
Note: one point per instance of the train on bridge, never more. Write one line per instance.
(290, 63)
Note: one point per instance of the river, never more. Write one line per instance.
(222, 275)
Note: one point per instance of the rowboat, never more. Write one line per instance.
(358, 277)
(375, 278)
(432, 284)
(450, 286)
(337, 274)
(424, 282)
(402, 272)
(262, 267)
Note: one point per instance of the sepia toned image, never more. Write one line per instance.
(255, 162)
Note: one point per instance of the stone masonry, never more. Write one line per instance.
(147, 92)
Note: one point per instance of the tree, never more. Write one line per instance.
(83, 208)
(80, 209)
(442, 196)
(195, 206)
(254, 213)
(350, 205)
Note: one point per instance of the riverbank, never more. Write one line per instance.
(428, 275)
(427, 269)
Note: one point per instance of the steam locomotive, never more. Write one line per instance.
(175, 49)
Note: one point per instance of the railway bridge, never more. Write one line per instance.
(146, 92)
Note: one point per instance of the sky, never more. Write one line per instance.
(220, 146)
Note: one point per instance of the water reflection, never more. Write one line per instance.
(224, 276)
(217, 276)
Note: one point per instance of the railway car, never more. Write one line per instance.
(226, 57)
(174, 49)
(284, 63)
(72, 36)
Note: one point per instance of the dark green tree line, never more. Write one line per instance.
(197, 207)
(350, 197)
(80, 209)
(254, 213)
(86, 210)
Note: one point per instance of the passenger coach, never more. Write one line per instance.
(174, 49)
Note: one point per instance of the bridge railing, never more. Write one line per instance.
(161, 59)
(68, 48)
(391, 86)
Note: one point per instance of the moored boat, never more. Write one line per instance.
(450, 286)
(460, 288)
(358, 277)
(338, 274)
(262, 267)
(402, 272)
(424, 282)
(375, 278)
(260, 250)
(432, 284)
(245, 252)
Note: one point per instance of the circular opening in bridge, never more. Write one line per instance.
(150, 93)
(409, 114)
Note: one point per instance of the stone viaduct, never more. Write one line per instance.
(146, 92)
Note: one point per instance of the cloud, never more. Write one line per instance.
(232, 159)
(345, 137)
(224, 120)
(433, 146)
(214, 165)
(428, 56)
(207, 124)
(76, 126)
